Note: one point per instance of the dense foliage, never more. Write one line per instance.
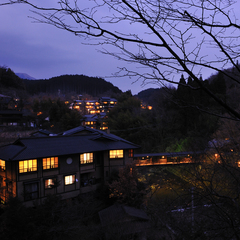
(60, 117)
(182, 118)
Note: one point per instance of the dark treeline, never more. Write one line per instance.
(182, 118)
(8, 79)
(79, 84)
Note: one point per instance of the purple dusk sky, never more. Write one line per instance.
(43, 51)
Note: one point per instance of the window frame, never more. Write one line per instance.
(116, 154)
(71, 180)
(21, 169)
(50, 184)
(130, 153)
(89, 158)
(2, 165)
(52, 165)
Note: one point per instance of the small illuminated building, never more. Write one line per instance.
(9, 113)
(102, 105)
(74, 162)
(96, 121)
(106, 103)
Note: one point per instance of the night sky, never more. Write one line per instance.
(43, 51)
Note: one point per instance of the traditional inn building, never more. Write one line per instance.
(73, 162)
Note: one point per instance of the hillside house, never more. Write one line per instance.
(102, 105)
(9, 113)
(68, 164)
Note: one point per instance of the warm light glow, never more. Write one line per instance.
(39, 113)
(216, 155)
(76, 107)
(130, 153)
(116, 153)
(86, 158)
(162, 156)
(28, 166)
(2, 164)
(149, 107)
(69, 179)
(49, 183)
(51, 162)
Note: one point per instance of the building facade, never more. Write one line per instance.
(74, 162)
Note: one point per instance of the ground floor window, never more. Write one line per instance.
(70, 179)
(50, 183)
(30, 191)
(87, 180)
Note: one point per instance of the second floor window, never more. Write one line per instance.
(2, 165)
(130, 153)
(116, 153)
(51, 162)
(28, 166)
(86, 158)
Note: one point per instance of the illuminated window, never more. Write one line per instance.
(116, 153)
(86, 158)
(70, 179)
(2, 165)
(130, 153)
(30, 191)
(49, 183)
(28, 166)
(51, 162)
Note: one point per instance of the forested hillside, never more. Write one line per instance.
(79, 84)
(10, 83)
(182, 119)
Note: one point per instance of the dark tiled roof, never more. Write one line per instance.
(29, 148)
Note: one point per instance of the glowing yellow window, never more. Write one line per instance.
(28, 166)
(86, 158)
(2, 164)
(70, 179)
(116, 153)
(51, 162)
